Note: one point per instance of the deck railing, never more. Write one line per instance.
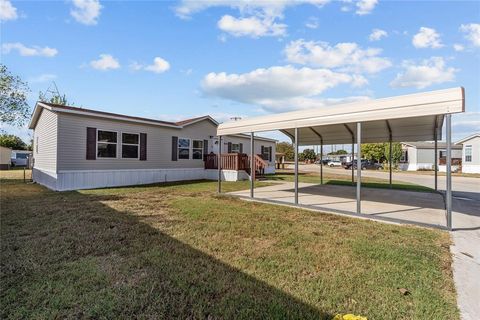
(234, 161)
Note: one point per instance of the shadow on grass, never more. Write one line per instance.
(70, 255)
(379, 185)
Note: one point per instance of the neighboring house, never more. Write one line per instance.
(20, 158)
(421, 156)
(470, 153)
(78, 148)
(5, 155)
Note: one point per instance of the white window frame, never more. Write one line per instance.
(96, 145)
(470, 148)
(201, 149)
(189, 148)
(130, 144)
(266, 150)
(235, 150)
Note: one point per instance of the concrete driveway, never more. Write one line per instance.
(466, 234)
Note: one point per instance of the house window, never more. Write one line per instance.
(235, 147)
(36, 145)
(130, 145)
(266, 153)
(443, 154)
(183, 148)
(106, 144)
(468, 153)
(404, 157)
(197, 149)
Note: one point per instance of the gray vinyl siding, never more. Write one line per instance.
(246, 145)
(72, 143)
(425, 156)
(46, 134)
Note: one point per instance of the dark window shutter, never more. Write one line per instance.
(262, 151)
(270, 154)
(174, 148)
(91, 143)
(229, 147)
(205, 149)
(241, 147)
(143, 146)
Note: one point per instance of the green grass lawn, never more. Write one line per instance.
(344, 180)
(181, 251)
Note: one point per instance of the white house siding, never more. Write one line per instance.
(474, 165)
(72, 143)
(45, 142)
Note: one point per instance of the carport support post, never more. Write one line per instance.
(219, 164)
(353, 149)
(296, 165)
(390, 161)
(435, 160)
(448, 195)
(321, 162)
(252, 164)
(359, 166)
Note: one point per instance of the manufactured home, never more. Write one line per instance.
(470, 153)
(79, 148)
(421, 156)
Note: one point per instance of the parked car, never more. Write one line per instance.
(324, 161)
(366, 164)
(20, 158)
(334, 163)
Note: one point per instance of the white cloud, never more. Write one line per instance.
(86, 11)
(348, 56)
(365, 6)
(312, 23)
(106, 62)
(257, 17)
(429, 72)
(276, 87)
(472, 33)
(458, 47)
(377, 34)
(427, 38)
(159, 65)
(46, 77)
(252, 26)
(7, 11)
(29, 51)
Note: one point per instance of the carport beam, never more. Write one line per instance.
(448, 195)
(296, 165)
(252, 164)
(219, 164)
(359, 166)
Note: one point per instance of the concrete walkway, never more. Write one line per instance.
(396, 206)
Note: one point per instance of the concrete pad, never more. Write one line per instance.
(399, 206)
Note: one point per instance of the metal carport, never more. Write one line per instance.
(414, 117)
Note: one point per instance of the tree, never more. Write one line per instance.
(287, 149)
(307, 154)
(13, 142)
(52, 95)
(396, 151)
(14, 109)
(338, 152)
(373, 151)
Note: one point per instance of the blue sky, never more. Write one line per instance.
(173, 60)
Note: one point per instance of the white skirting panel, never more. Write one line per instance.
(227, 175)
(45, 178)
(443, 168)
(91, 179)
(471, 168)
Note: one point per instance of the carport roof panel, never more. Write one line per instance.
(416, 110)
